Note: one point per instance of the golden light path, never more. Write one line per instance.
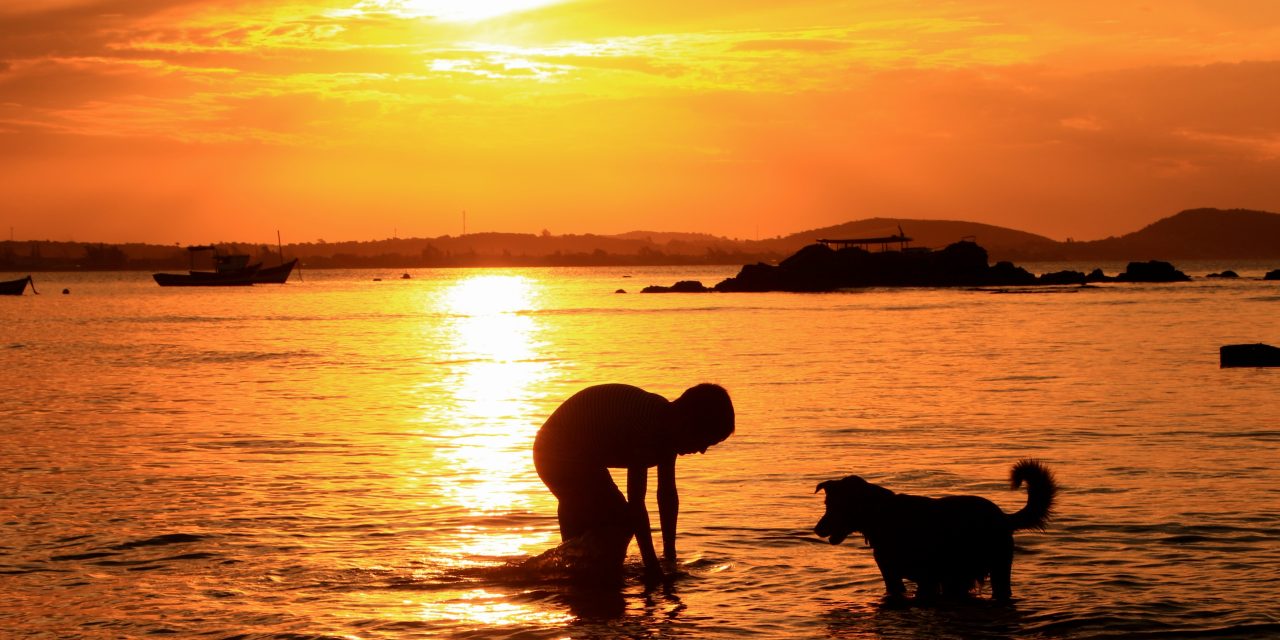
(484, 438)
(488, 437)
(492, 609)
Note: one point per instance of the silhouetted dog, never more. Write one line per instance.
(950, 544)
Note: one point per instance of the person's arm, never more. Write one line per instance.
(668, 507)
(637, 481)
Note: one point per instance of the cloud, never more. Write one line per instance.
(998, 111)
(790, 44)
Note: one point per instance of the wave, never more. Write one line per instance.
(1025, 378)
(628, 311)
(1136, 627)
(132, 554)
(232, 357)
(161, 540)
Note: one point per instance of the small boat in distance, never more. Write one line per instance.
(17, 287)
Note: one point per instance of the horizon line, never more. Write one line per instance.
(1068, 239)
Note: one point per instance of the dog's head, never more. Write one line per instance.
(851, 504)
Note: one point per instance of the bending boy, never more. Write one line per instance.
(625, 427)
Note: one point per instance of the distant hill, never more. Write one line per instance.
(1193, 234)
(663, 237)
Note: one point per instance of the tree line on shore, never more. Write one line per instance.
(73, 256)
(1192, 234)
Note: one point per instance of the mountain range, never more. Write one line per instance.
(1188, 235)
(1193, 234)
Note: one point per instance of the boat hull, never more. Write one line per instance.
(206, 279)
(275, 275)
(16, 287)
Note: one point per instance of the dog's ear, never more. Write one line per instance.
(823, 485)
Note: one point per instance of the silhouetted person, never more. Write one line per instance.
(624, 427)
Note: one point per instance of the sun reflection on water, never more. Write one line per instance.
(483, 431)
(490, 609)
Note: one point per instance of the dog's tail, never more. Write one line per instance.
(1041, 490)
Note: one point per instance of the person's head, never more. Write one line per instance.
(705, 417)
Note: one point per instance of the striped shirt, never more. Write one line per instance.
(610, 425)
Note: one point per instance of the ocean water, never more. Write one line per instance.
(340, 457)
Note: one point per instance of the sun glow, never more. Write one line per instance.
(451, 10)
(487, 296)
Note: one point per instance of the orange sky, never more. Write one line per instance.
(201, 120)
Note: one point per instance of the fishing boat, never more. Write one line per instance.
(17, 287)
(242, 278)
(228, 271)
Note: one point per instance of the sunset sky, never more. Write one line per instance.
(201, 120)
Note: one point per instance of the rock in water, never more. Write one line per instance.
(684, 286)
(1248, 355)
(1152, 271)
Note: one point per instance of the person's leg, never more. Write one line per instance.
(607, 528)
(590, 500)
(588, 497)
(611, 523)
(595, 527)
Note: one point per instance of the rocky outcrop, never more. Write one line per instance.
(1098, 276)
(684, 286)
(1224, 274)
(1152, 271)
(1272, 275)
(1248, 355)
(817, 267)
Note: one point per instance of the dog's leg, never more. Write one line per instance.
(1001, 573)
(926, 589)
(894, 588)
(892, 579)
(957, 587)
(1001, 588)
